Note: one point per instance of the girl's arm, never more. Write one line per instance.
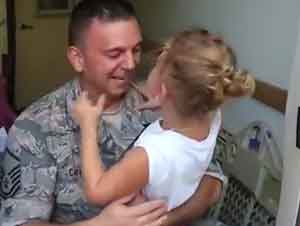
(103, 186)
(125, 177)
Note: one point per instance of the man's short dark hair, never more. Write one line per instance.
(105, 10)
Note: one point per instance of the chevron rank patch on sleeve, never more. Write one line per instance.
(11, 175)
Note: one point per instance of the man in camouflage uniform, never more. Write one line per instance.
(42, 177)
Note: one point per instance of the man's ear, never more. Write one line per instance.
(75, 58)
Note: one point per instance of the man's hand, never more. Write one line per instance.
(119, 214)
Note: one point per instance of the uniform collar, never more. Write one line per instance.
(72, 93)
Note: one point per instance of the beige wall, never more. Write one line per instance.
(3, 30)
(41, 60)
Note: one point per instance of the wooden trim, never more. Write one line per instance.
(271, 95)
(265, 93)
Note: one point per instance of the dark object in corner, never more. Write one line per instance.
(7, 115)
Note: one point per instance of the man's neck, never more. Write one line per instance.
(111, 103)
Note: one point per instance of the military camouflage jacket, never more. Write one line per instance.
(42, 176)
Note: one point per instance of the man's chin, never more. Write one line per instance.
(118, 94)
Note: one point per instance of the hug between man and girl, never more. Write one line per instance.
(193, 77)
(61, 171)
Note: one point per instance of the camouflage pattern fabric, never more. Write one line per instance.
(41, 176)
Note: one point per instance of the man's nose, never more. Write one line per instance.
(130, 61)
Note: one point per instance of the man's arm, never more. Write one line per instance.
(26, 162)
(119, 214)
(29, 175)
(206, 195)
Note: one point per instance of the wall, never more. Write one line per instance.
(262, 32)
(3, 28)
(41, 53)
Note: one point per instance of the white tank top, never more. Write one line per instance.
(176, 163)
